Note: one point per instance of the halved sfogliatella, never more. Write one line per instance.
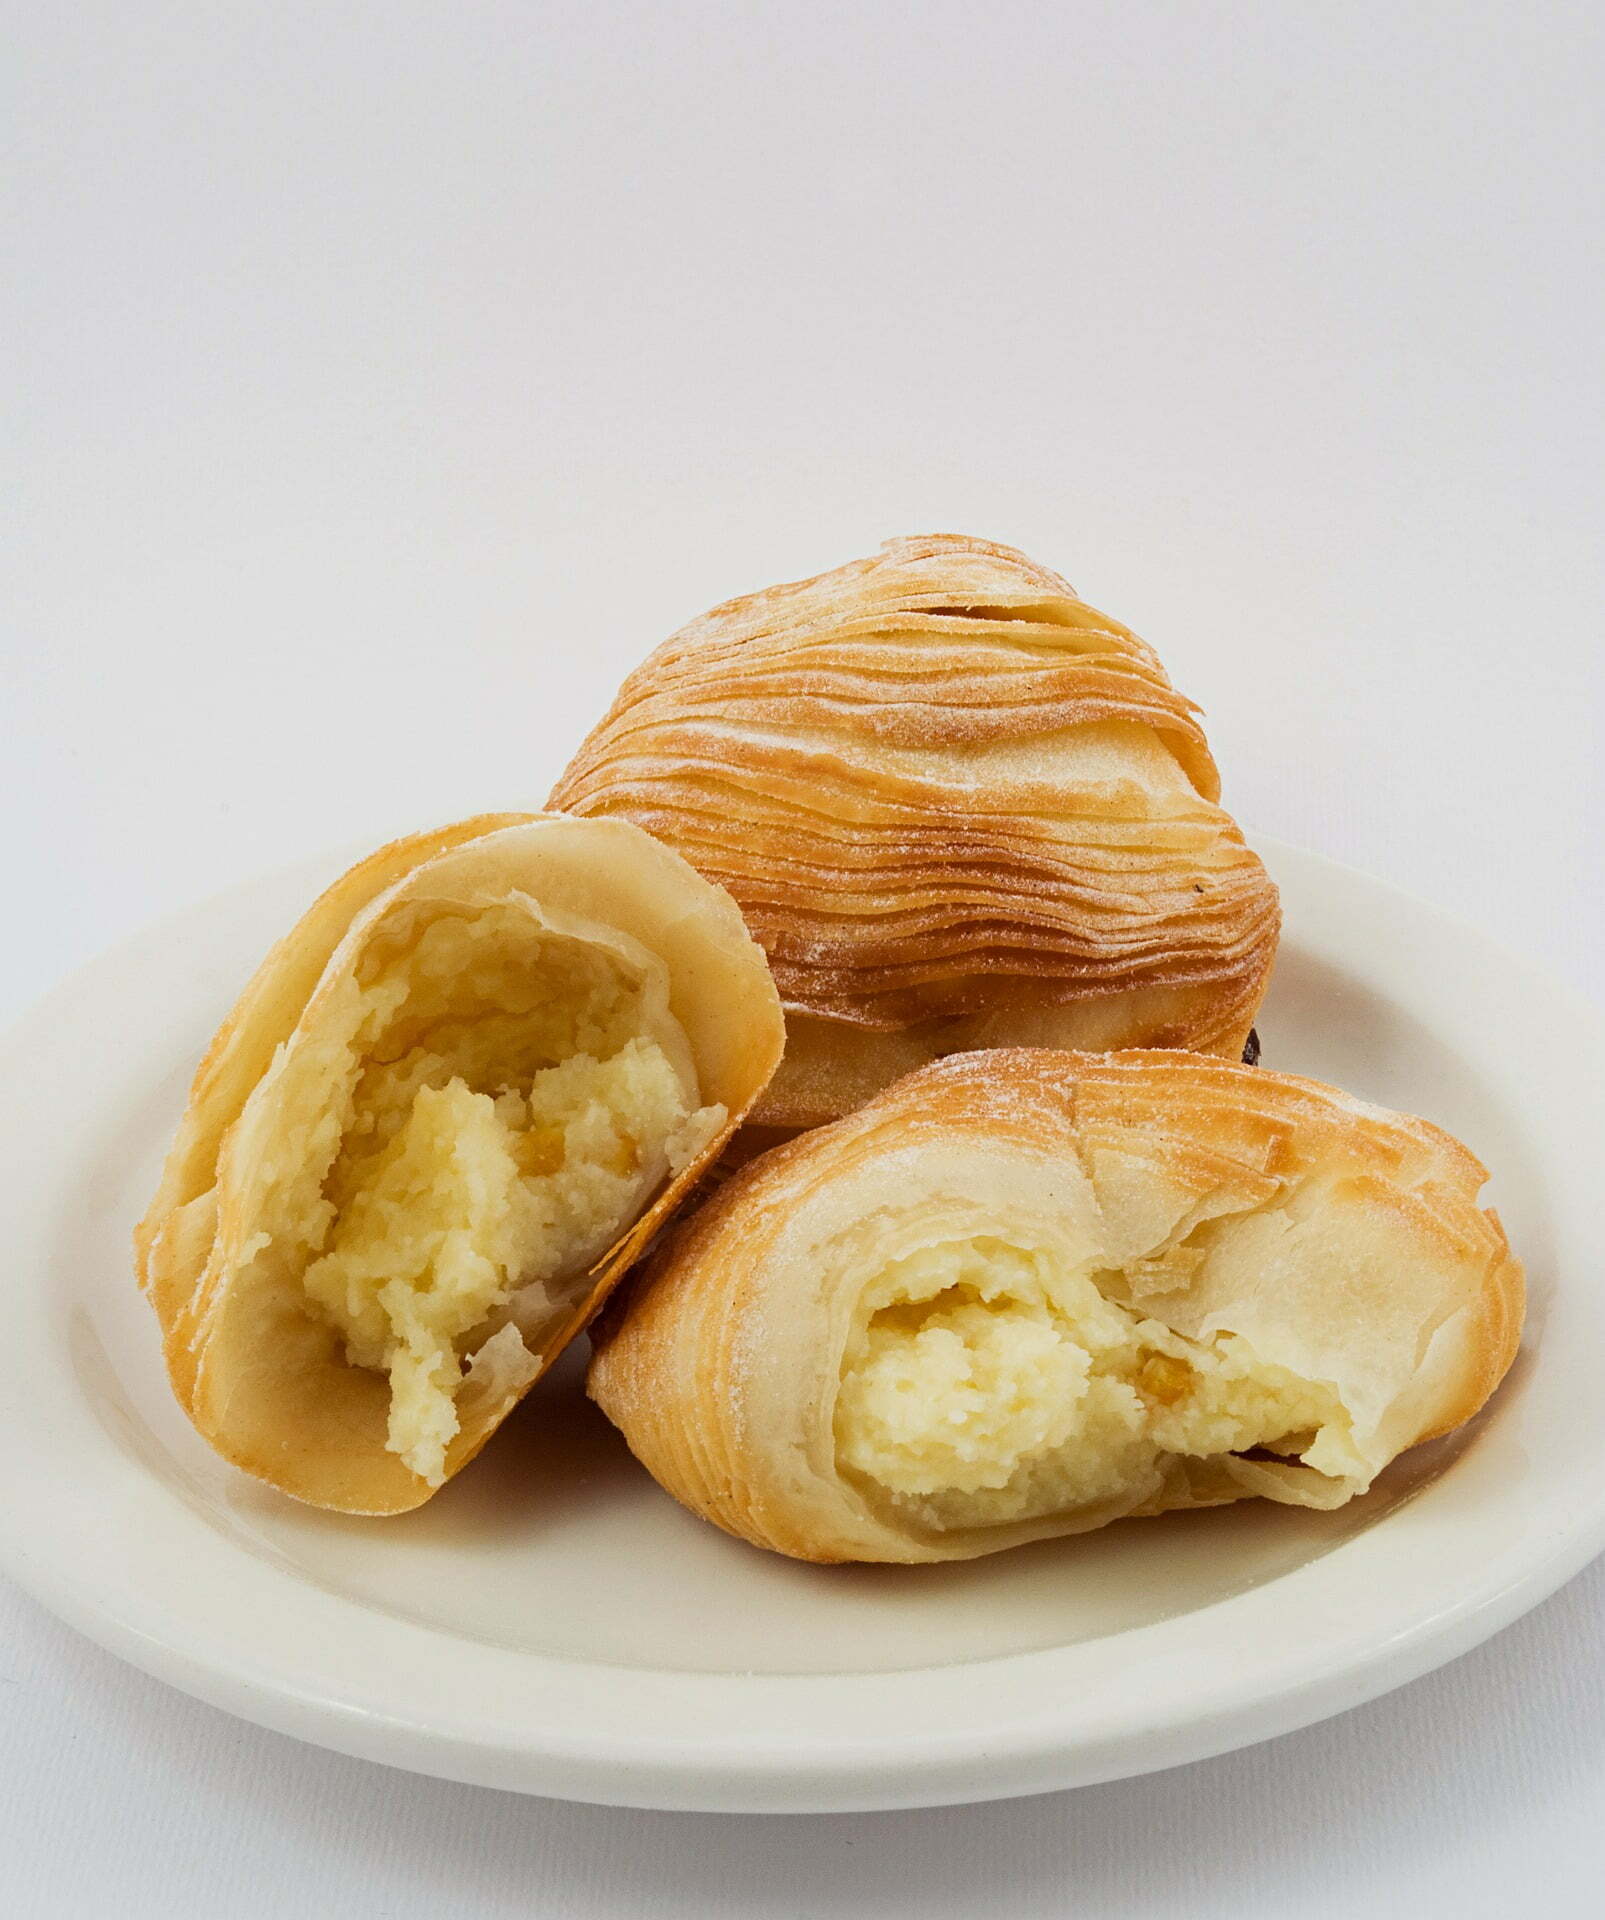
(443, 1118)
(958, 807)
(1023, 1293)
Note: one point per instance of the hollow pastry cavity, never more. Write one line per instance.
(984, 1383)
(441, 1122)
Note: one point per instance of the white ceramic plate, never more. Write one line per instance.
(551, 1622)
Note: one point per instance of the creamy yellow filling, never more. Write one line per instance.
(496, 1116)
(983, 1383)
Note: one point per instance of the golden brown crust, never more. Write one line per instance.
(263, 1380)
(958, 808)
(1344, 1240)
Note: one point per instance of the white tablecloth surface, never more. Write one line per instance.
(388, 378)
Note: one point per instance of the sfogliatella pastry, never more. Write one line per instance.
(1023, 1293)
(445, 1115)
(958, 807)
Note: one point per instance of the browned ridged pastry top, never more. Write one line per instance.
(950, 798)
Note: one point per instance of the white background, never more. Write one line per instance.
(388, 377)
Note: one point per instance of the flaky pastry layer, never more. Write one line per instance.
(1026, 1292)
(958, 807)
(441, 1121)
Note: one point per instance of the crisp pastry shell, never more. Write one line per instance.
(262, 1380)
(722, 1363)
(958, 807)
